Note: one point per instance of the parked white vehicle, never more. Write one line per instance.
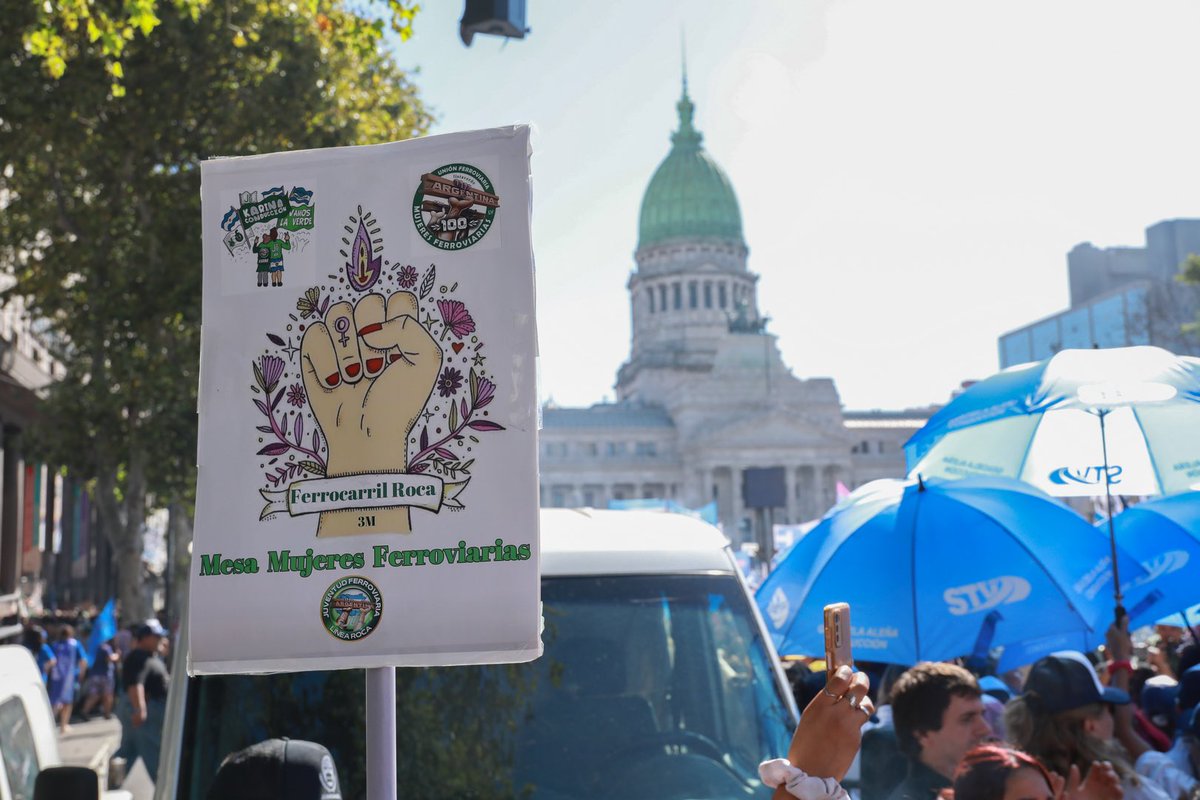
(657, 681)
(28, 742)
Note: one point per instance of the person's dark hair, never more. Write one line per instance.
(1137, 680)
(887, 684)
(985, 770)
(65, 632)
(922, 695)
(1189, 656)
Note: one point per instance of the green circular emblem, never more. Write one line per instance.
(454, 206)
(351, 608)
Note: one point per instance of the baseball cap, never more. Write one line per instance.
(1158, 699)
(1066, 680)
(276, 768)
(991, 685)
(1189, 688)
(150, 627)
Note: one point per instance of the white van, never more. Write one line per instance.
(658, 681)
(28, 741)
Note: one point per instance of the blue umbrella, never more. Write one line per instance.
(1164, 536)
(1081, 423)
(934, 569)
(1145, 602)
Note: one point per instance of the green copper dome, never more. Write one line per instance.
(689, 195)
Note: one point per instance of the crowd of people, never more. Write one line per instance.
(127, 677)
(1068, 727)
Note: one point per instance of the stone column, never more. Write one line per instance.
(735, 481)
(791, 506)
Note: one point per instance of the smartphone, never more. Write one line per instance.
(837, 637)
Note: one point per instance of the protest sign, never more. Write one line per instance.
(367, 492)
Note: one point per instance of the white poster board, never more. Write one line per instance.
(367, 491)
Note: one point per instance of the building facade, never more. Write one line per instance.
(1120, 296)
(49, 554)
(705, 396)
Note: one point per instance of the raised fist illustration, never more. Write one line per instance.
(368, 371)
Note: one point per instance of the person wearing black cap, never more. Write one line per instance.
(1066, 718)
(143, 702)
(277, 769)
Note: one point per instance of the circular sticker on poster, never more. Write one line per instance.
(454, 206)
(351, 608)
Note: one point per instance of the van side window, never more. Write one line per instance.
(17, 749)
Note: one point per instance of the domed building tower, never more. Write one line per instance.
(691, 283)
(706, 405)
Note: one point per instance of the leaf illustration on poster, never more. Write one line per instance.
(375, 398)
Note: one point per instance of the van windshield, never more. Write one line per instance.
(650, 687)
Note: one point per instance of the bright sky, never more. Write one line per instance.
(911, 175)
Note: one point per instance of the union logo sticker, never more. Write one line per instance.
(454, 206)
(351, 608)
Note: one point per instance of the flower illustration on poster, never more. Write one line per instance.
(371, 396)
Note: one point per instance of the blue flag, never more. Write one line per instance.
(104, 627)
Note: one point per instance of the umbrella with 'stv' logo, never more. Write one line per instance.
(1099, 422)
(936, 569)
(1164, 536)
(1043, 422)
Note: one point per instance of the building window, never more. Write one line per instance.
(590, 449)
(589, 498)
(558, 497)
(677, 292)
(650, 300)
(707, 294)
(645, 449)
(693, 295)
(615, 449)
(721, 299)
(556, 449)
(881, 446)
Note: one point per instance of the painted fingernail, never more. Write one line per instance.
(374, 327)
(334, 379)
(393, 357)
(352, 370)
(374, 364)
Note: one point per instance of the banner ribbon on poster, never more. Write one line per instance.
(371, 490)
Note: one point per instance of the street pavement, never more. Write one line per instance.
(92, 743)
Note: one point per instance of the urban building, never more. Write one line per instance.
(47, 553)
(704, 398)
(1120, 296)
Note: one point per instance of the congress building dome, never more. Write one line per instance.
(690, 196)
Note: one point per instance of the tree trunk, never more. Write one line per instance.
(179, 564)
(123, 518)
(131, 572)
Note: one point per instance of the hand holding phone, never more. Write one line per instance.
(837, 637)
